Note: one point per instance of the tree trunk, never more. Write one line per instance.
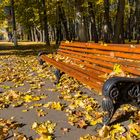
(40, 19)
(81, 18)
(99, 29)
(14, 24)
(93, 23)
(138, 20)
(71, 29)
(32, 35)
(29, 34)
(63, 19)
(81, 28)
(45, 23)
(58, 34)
(118, 30)
(58, 27)
(39, 34)
(107, 29)
(43, 34)
(35, 34)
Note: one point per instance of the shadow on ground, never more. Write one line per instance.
(123, 118)
(25, 48)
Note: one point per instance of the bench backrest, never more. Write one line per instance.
(101, 58)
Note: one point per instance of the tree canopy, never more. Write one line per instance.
(84, 20)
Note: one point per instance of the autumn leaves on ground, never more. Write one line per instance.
(31, 107)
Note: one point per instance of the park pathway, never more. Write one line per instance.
(28, 99)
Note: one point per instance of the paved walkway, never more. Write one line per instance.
(28, 95)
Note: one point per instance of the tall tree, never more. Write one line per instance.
(14, 23)
(58, 26)
(81, 20)
(45, 23)
(138, 20)
(119, 23)
(93, 21)
(107, 29)
(62, 20)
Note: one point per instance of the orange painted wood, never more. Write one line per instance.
(88, 67)
(109, 44)
(131, 70)
(107, 70)
(72, 72)
(98, 68)
(104, 58)
(111, 47)
(96, 60)
(132, 56)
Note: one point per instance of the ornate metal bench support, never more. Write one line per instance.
(118, 91)
(108, 107)
(57, 72)
(58, 75)
(41, 62)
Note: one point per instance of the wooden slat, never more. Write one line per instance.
(102, 47)
(72, 72)
(104, 58)
(93, 76)
(88, 67)
(109, 44)
(96, 60)
(110, 65)
(108, 53)
(95, 67)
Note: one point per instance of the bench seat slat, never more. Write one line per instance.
(87, 66)
(99, 68)
(92, 76)
(72, 72)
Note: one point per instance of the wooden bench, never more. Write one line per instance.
(90, 63)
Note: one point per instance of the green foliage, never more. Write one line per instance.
(29, 13)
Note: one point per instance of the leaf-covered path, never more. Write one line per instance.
(32, 107)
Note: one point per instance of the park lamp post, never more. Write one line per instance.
(14, 23)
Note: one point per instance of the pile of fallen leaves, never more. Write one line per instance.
(16, 98)
(81, 109)
(119, 131)
(10, 128)
(45, 130)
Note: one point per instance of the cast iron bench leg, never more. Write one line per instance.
(57, 72)
(58, 75)
(41, 62)
(109, 109)
(118, 91)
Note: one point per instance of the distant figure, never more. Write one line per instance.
(9, 36)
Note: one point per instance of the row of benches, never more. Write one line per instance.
(92, 64)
